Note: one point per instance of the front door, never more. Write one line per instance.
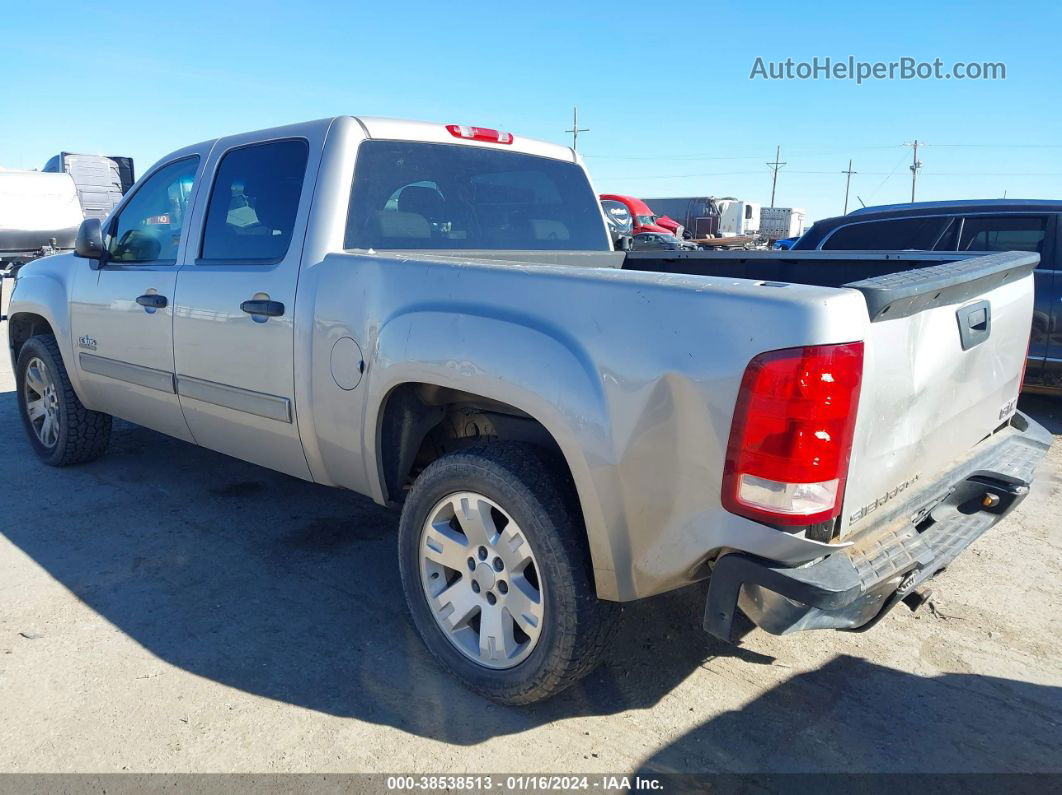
(233, 320)
(122, 313)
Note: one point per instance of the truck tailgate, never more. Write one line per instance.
(944, 357)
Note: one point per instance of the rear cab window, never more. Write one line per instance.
(411, 195)
(251, 214)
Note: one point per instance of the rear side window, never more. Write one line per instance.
(409, 195)
(251, 215)
(898, 233)
(1003, 233)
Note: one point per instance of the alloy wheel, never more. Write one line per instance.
(481, 580)
(42, 402)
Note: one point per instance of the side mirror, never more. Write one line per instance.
(89, 242)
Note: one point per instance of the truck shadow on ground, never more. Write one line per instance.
(290, 591)
(852, 716)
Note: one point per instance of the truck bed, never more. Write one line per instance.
(895, 284)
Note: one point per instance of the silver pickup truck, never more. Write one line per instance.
(431, 315)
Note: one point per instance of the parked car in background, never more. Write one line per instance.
(974, 225)
(785, 244)
(647, 241)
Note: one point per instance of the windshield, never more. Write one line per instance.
(645, 220)
(410, 195)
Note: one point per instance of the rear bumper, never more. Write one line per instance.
(856, 586)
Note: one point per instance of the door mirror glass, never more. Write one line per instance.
(89, 241)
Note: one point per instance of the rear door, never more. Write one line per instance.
(233, 321)
(1035, 233)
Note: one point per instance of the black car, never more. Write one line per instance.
(648, 241)
(977, 225)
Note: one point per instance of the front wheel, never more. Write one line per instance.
(60, 429)
(496, 573)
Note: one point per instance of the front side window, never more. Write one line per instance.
(409, 195)
(148, 229)
(251, 215)
(1003, 233)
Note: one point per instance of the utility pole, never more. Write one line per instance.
(847, 184)
(777, 164)
(575, 130)
(915, 165)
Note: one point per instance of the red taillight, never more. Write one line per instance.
(479, 134)
(791, 437)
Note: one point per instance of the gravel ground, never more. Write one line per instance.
(170, 609)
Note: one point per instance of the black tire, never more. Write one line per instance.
(538, 494)
(83, 434)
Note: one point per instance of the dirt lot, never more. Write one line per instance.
(170, 609)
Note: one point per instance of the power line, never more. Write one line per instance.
(996, 146)
(887, 174)
(887, 178)
(798, 149)
(819, 152)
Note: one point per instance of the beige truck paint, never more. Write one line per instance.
(633, 375)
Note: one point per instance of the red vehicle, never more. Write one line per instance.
(642, 218)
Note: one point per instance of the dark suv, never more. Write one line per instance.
(977, 225)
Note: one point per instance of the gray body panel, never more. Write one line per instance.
(633, 374)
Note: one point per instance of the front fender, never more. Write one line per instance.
(43, 289)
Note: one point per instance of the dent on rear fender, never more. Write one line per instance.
(668, 479)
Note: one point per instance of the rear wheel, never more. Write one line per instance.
(60, 429)
(496, 573)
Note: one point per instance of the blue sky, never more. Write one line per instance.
(664, 89)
